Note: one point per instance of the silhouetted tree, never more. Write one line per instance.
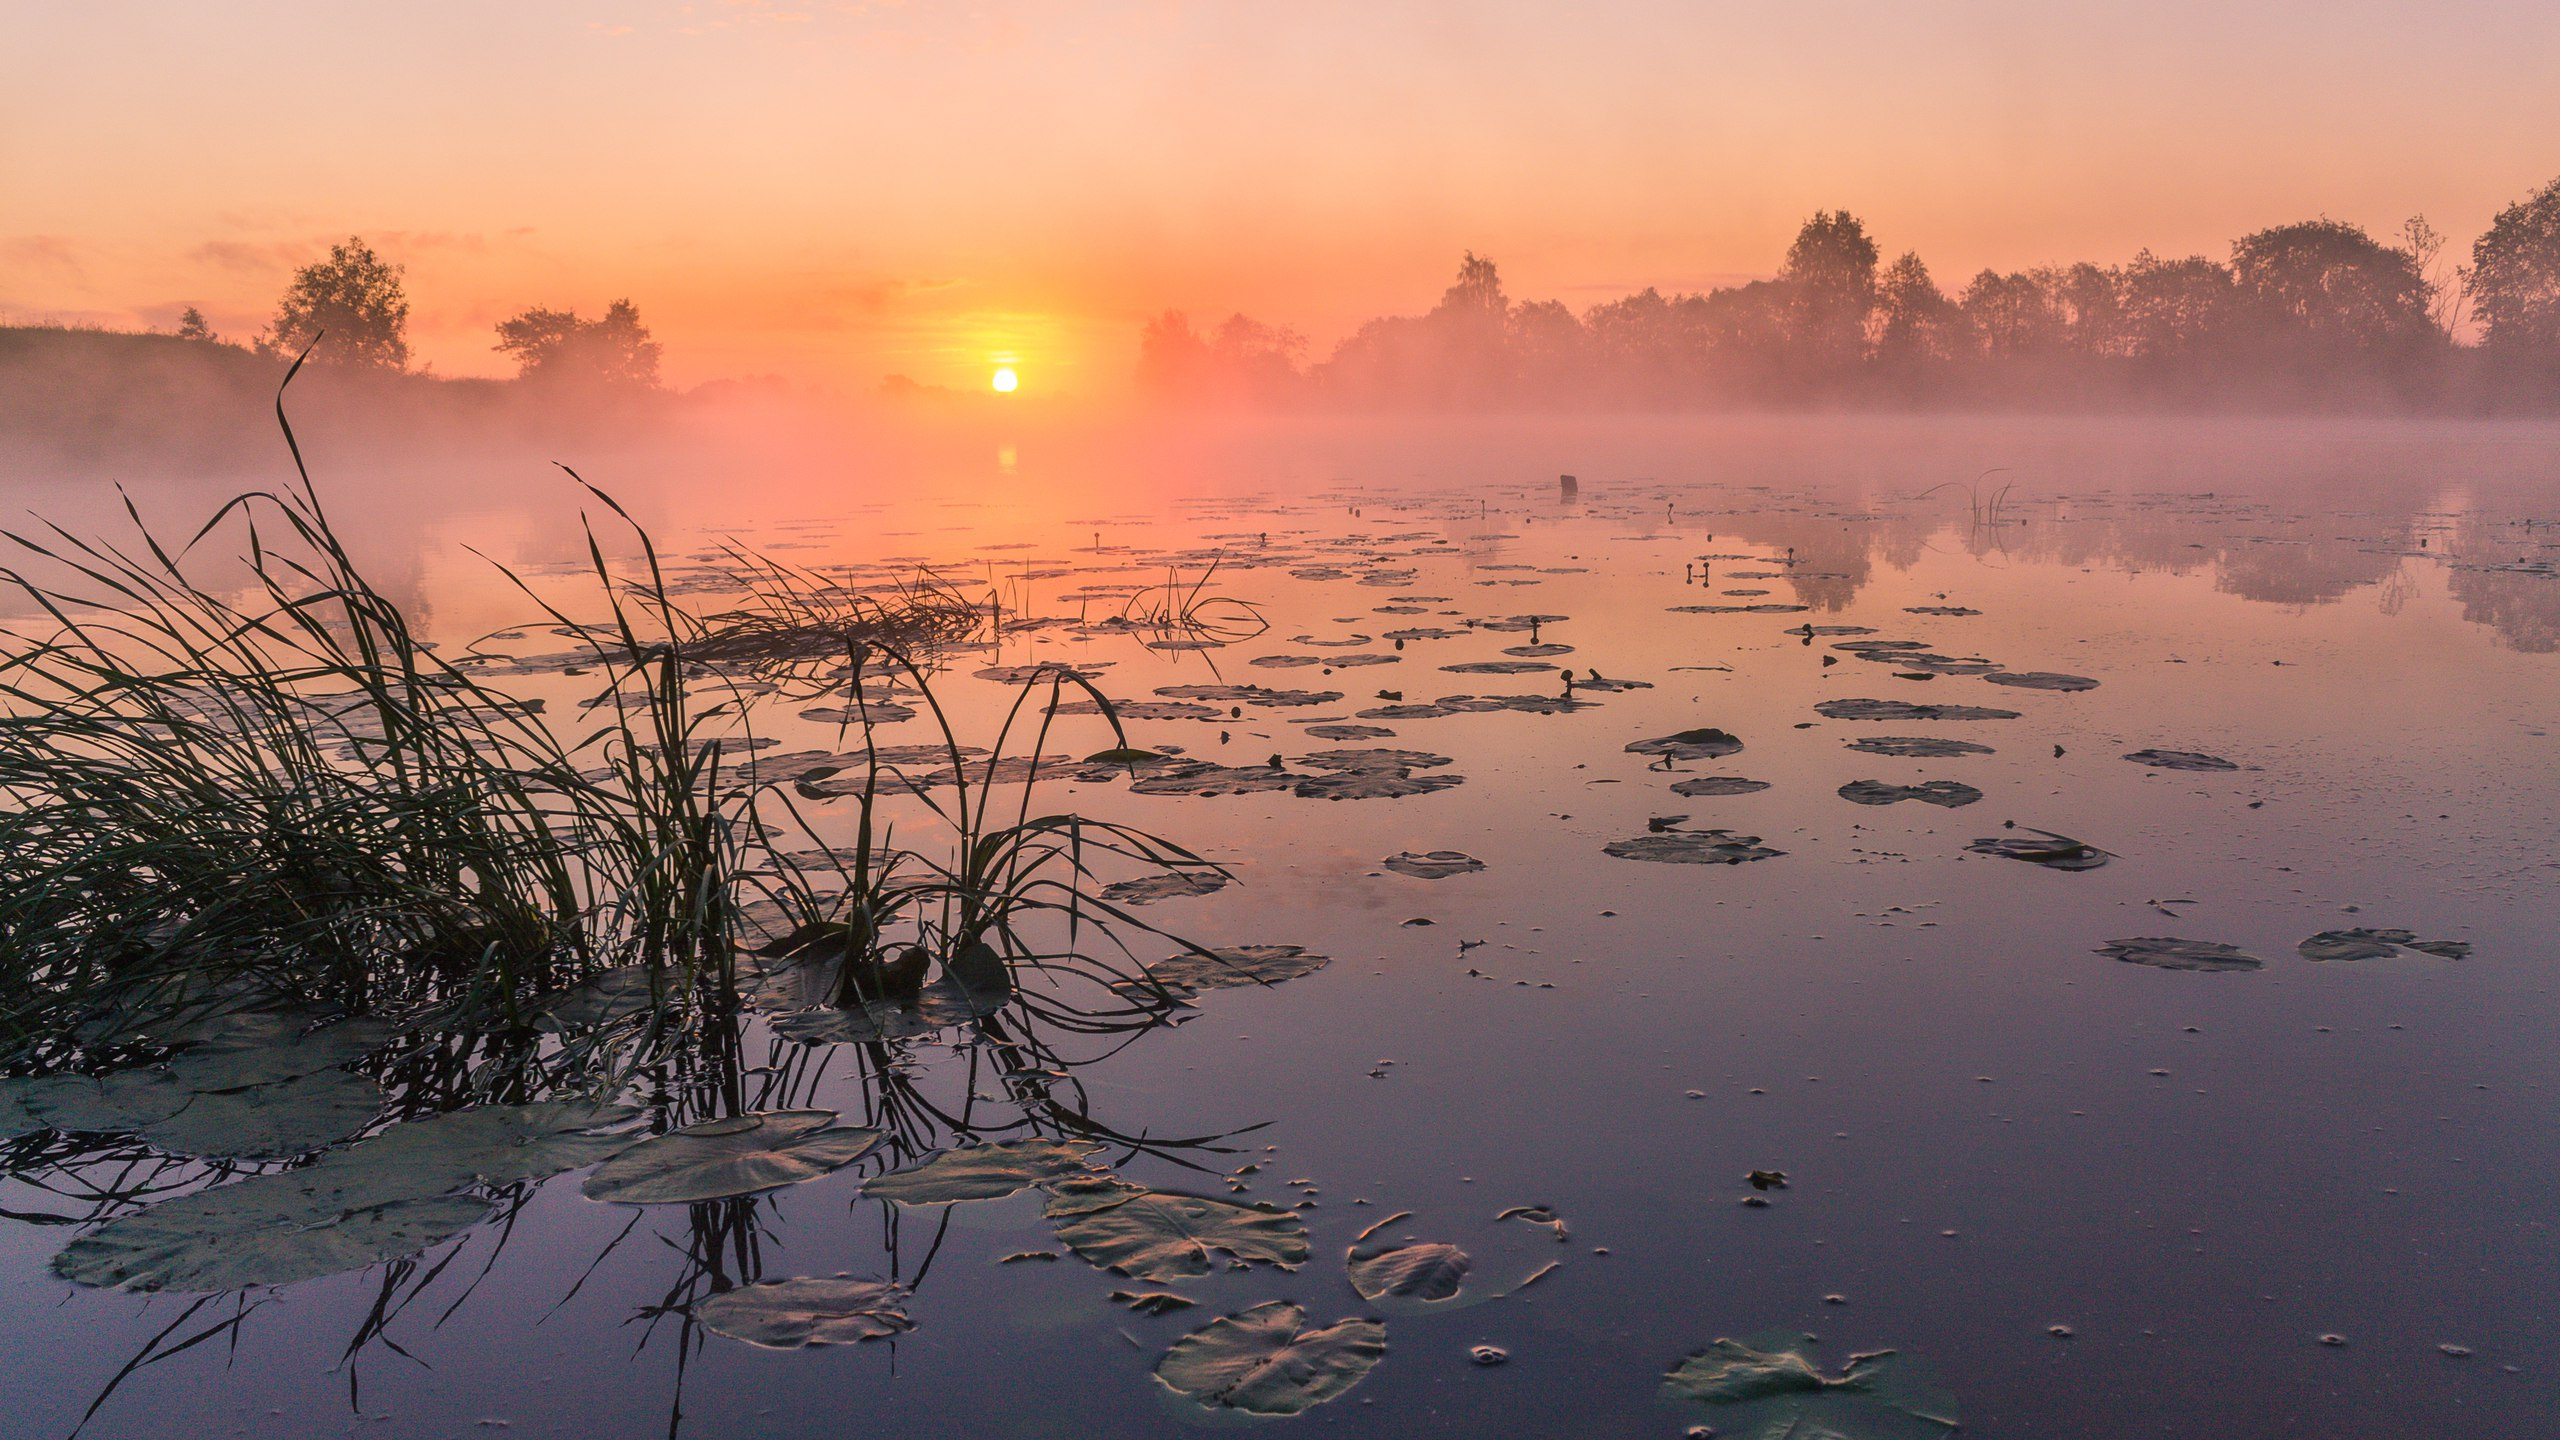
(354, 298)
(2445, 281)
(1243, 359)
(1830, 275)
(1917, 329)
(2014, 316)
(2323, 293)
(2515, 283)
(191, 325)
(556, 347)
(2173, 310)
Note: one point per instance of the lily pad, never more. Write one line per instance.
(606, 998)
(1917, 747)
(1261, 1363)
(1413, 1276)
(15, 1118)
(1350, 732)
(1498, 667)
(1780, 1393)
(1706, 744)
(2362, 944)
(1946, 793)
(1171, 885)
(1698, 785)
(253, 1233)
(1432, 864)
(1207, 778)
(2041, 680)
(1372, 761)
(795, 1314)
(2180, 760)
(267, 1050)
(938, 1006)
(1692, 847)
(2053, 852)
(116, 1104)
(735, 1155)
(1151, 1302)
(270, 1122)
(983, 1172)
(490, 1145)
(1226, 966)
(1372, 785)
(2167, 952)
(1159, 1235)
(1906, 710)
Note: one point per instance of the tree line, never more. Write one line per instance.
(352, 310)
(2318, 312)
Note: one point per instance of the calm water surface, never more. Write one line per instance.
(1989, 1127)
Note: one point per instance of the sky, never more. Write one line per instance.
(837, 192)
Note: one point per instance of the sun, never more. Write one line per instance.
(1006, 382)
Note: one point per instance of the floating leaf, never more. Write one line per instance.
(15, 1118)
(1259, 1361)
(116, 1104)
(737, 1155)
(1706, 744)
(270, 1122)
(2167, 952)
(1225, 967)
(1087, 1191)
(1498, 667)
(1905, 710)
(1413, 1276)
(2053, 852)
(2180, 760)
(982, 1172)
(1946, 793)
(1372, 761)
(1692, 847)
(272, 1048)
(1206, 779)
(1432, 864)
(1151, 1302)
(2361, 944)
(1171, 885)
(1698, 785)
(1158, 1235)
(1779, 1393)
(491, 1145)
(606, 998)
(2041, 680)
(1372, 785)
(1917, 747)
(258, 1233)
(795, 1314)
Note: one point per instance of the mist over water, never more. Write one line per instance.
(1988, 1128)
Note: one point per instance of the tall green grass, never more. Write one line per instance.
(232, 772)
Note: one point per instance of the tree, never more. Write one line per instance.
(1830, 272)
(1243, 359)
(2425, 244)
(557, 347)
(2515, 280)
(2173, 310)
(2012, 316)
(191, 325)
(1915, 323)
(2328, 293)
(354, 299)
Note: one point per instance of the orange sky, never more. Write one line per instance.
(836, 192)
